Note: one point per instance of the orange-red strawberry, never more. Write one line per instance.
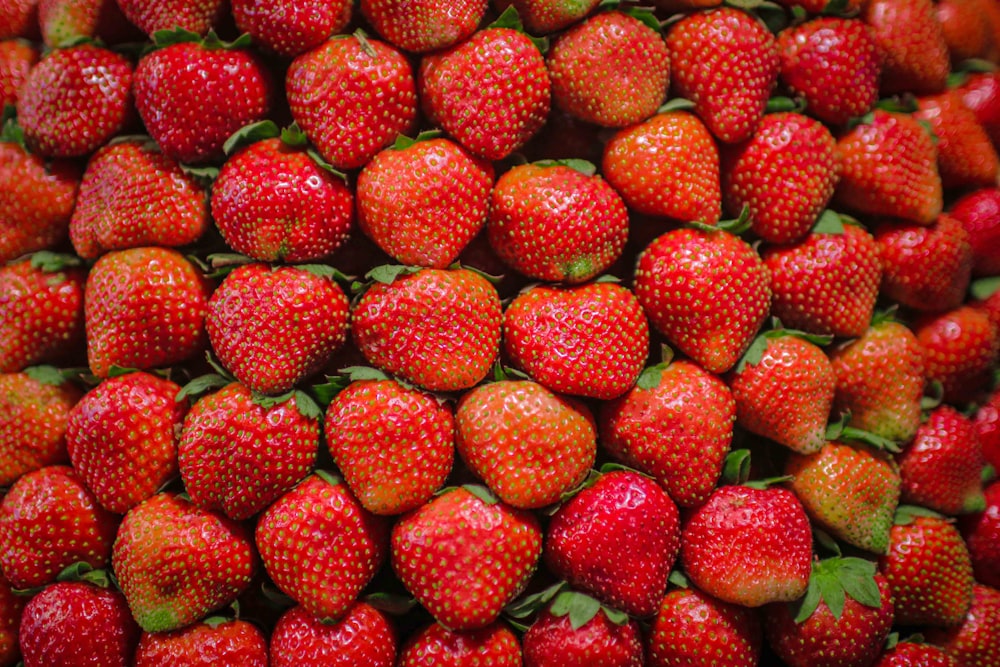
(976, 642)
(726, 62)
(611, 70)
(34, 411)
(980, 92)
(289, 27)
(425, 25)
(888, 166)
(965, 31)
(556, 222)
(911, 44)
(422, 202)
(19, 18)
(437, 646)
(17, 57)
(966, 157)
(11, 607)
(562, 635)
(981, 532)
(979, 213)
(364, 636)
(667, 166)
(960, 348)
(916, 654)
(204, 644)
(150, 16)
(548, 16)
(530, 445)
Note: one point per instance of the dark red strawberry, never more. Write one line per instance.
(981, 93)
(564, 636)
(19, 18)
(215, 641)
(425, 25)
(981, 532)
(976, 642)
(288, 27)
(979, 213)
(911, 44)
(966, 157)
(17, 57)
(960, 348)
(150, 16)
(437, 646)
(916, 654)
(986, 422)
(364, 636)
(66, 22)
(11, 608)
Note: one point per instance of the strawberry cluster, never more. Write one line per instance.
(531, 333)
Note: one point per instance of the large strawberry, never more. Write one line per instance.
(562, 635)
(34, 412)
(960, 347)
(426, 25)
(979, 213)
(911, 45)
(435, 645)
(364, 636)
(151, 16)
(288, 27)
(966, 157)
(976, 641)
(214, 641)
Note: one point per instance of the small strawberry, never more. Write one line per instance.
(562, 635)
(980, 92)
(437, 646)
(150, 16)
(17, 57)
(214, 641)
(530, 445)
(966, 157)
(979, 213)
(548, 16)
(911, 44)
(888, 166)
(425, 25)
(422, 202)
(666, 166)
(464, 558)
(986, 422)
(11, 608)
(363, 636)
(915, 654)
(965, 31)
(66, 22)
(960, 348)
(289, 27)
(591, 340)
(976, 642)
(981, 532)
(321, 547)
(19, 18)
(708, 293)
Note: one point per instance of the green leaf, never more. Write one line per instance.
(324, 165)
(828, 222)
(403, 142)
(387, 273)
(779, 104)
(836, 8)
(294, 136)
(201, 385)
(366, 46)
(117, 371)
(835, 428)
(822, 539)
(45, 374)
(358, 373)
(163, 38)
(250, 134)
(862, 588)
(328, 477)
(529, 604)
(906, 514)
(809, 602)
(51, 262)
(977, 65)
(394, 605)
(736, 466)
(482, 493)
(583, 166)
(989, 474)
(876, 441)
(204, 175)
(754, 353)
(74, 572)
(768, 482)
(743, 4)
(616, 616)
(508, 19)
(737, 225)
(325, 271)
(645, 16)
(984, 288)
(580, 607)
(676, 104)
(679, 579)
(216, 621)
(306, 406)
(650, 378)
(832, 593)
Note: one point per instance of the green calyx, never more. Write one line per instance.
(907, 514)
(840, 431)
(834, 580)
(170, 37)
(403, 142)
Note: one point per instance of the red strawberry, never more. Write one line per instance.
(425, 25)
(490, 92)
(548, 16)
(966, 157)
(980, 92)
(965, 32)
(290, 28)
(437, 328)
(19, 18)
(976, 642)
(979, 213)
(914, 654)
(590, 340)
(612, 70)
(986, 422)
(205, 644)
(981, 532)
(911, 43)
(888, 166)
(153, 15)
(833, 64)
(561, 636)
(65, 22)
(464, 558)
(321, 547)
(726, 62)
(437, 646)
(785, 174)
(676, 425)
(616, 540)
(364, 636)
(11, 608)
(960, 348)
(49, 520)
(530, 445)
(350, 77)
(666, 166)
(17, 57)
(41, 311)
(422, 202)
(144, 307)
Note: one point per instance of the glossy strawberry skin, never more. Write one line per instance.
(495, 645)
(981, 532)
(598, 643)
(981, 94)
(692, 628)
(979, 213)
(198, 16)
(204, 645)
(425, 26)
(966, 157)
(291, 28)
(911, 44)
(976, 641)
(960, 347)
(364, 636)
(33, 421)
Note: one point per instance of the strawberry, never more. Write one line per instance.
(192, 95)
(591, 340)
(19, 18)
(49, 520)
(11, 608)
(132, 195)
(966, 157)
(364, 636)
(784, 388)
(176, 562)
(682, 271)
(451, 190)
(464, 558)
(980, 92)
(290, 28)
(17, 57)
(915, 654)
(74, 100)
(976, 641)
(77, 623)
(827, 283)
(41, 311)
(965, 32)
(65, 22)
(211, 642)
(981, 532)
(144, 307)
(490, 92)
(612, 70)
(437, 328)
(726, 62)
(911, 43)
(530, 445)
(833, 64)
(548, 16)
(675, 424)
(437, 646)
(237, 454)
(667, 166)
(321, 547)
(979, 214)
(748, 546)
(888, 166)
(784, 174)
(424, 25)
(616, 540)
(986, 422)
(561, 636)
(150, 16)
(928, 568)
(960, 347)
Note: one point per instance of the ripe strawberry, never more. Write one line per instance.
(490, 92)
(352, 96)
(612, 70)
(175, 562)
(965, 32)
(132, 195)
(76, 623)
(464, 558)
(437, 646)
(928, 568)
(726, 62)
(785, 174)
(888, 166)
(976, 642)
(66, 22)
(560, 636)
(75, 100)
(616, 540)
(437, 328)
(980, 92)
(290, 28)
(833, 64)
(986, 422)
(966, 157)
(150, 16)
(215, 641)
(11, 608)
(192, 95)
(41, 311)
(915, 654)
(979, 213)
(666, 166)
(826, 284)
(422, 202)
(321, 547)
(981, 532)
(683, 271)
(17, 57)
(424, 25)
(675, 424)
(530, 445)
(911, 43)
(19, 18)
(748, 546)
(960, 348)
(548, 16)
(364, 636)
(144, 307)
(49, 520)
(591, 340)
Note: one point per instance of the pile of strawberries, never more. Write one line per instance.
(526, 333)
